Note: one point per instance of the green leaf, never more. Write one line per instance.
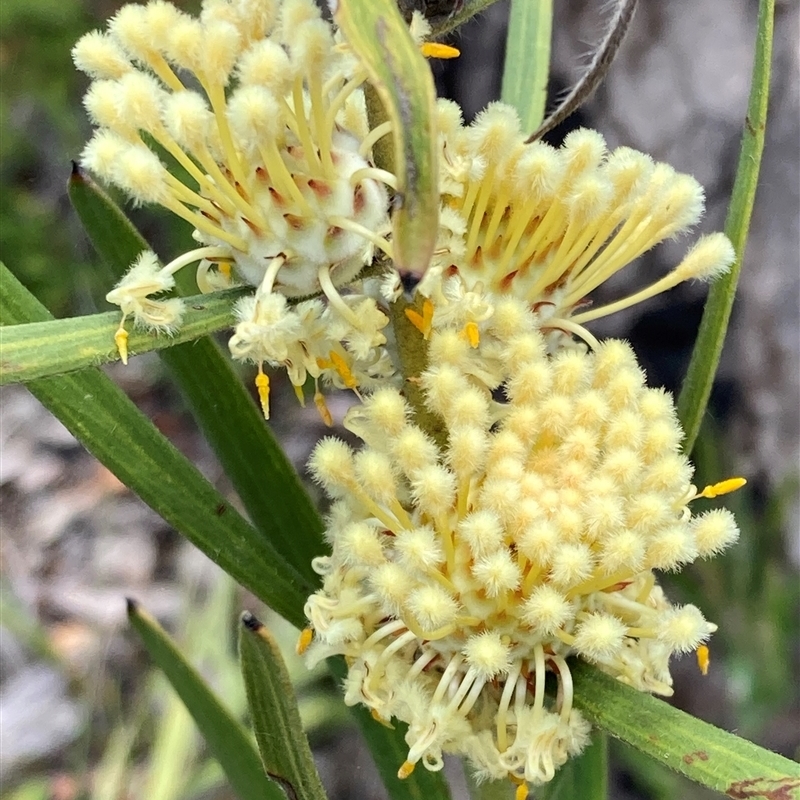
(39, 349)
(110, 426)
(707, 350)
(585, 776)
(226, 738)
(705, 754)
(389, 751)
(284, 748)
(397, 69)
(444, 23)
(231, 422)
(527, 64)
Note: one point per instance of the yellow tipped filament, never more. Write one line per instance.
(262, 385)
(723, 487)
(521, 792)
(340, 365)
(703, 659)
(378, 718)
(438, 50)
(121, 340)
(304, 640)
(405, 770)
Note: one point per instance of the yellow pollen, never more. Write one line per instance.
(437, 50)
(405, 770)
(224, 268)
(703, 659)
(322, 407)
(521, 792)
(723, 487)
(344, 371)
(473, 334)
(422, 322)
(262, 385)
(121, 340)
(304, 640)
(298, 391)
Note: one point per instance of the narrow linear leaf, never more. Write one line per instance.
(389, 751)
(265, 481)
(397, 69)
(282, 743)
(708, 348)
(110, 426)
(226, 738)
(585, 776)
(527, 64)
(55, 347)
(702, 752)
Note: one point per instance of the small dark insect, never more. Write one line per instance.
(220, 509)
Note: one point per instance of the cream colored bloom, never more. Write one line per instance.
(463, 573)
(260, 112)
(549, 225)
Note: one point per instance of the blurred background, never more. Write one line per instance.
(85, 716)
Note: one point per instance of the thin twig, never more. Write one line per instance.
(593, 77)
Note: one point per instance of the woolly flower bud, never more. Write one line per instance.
(714, 531)
(419, 549)
(683, 629)
(546, 610)
(599, 637)
(488, 654)
(432, 606)
(497, 573)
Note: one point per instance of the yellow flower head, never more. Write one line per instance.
(463, 573)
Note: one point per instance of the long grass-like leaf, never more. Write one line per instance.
(707, 350)
(527, 64)
(702, 752)
(398, 71)
(253, 461)
(226, 738)
(284, 748)
(55, 347)
(110, 426)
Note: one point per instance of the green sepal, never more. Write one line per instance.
(284, 749)
(227, 739)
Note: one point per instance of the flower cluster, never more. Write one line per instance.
(550, 225)
(262, 113)
(463, 572)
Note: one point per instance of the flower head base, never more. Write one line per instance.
(263, 112)
(460, 576)
(550, 225)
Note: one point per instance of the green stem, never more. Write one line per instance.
(711, 336)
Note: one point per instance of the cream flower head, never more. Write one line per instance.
(463, 573)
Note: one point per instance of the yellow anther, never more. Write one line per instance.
(703, 659)
(121, 340)
(225, 268)
(422, 322)
(378, 718)
(438, 50)
(522, 792)
(262, 385)
(322, 407)
(723, 487)
(323, 363)
(405, 770)
(298, 391)
(304, 640)
(473, 334)
(343, 369)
